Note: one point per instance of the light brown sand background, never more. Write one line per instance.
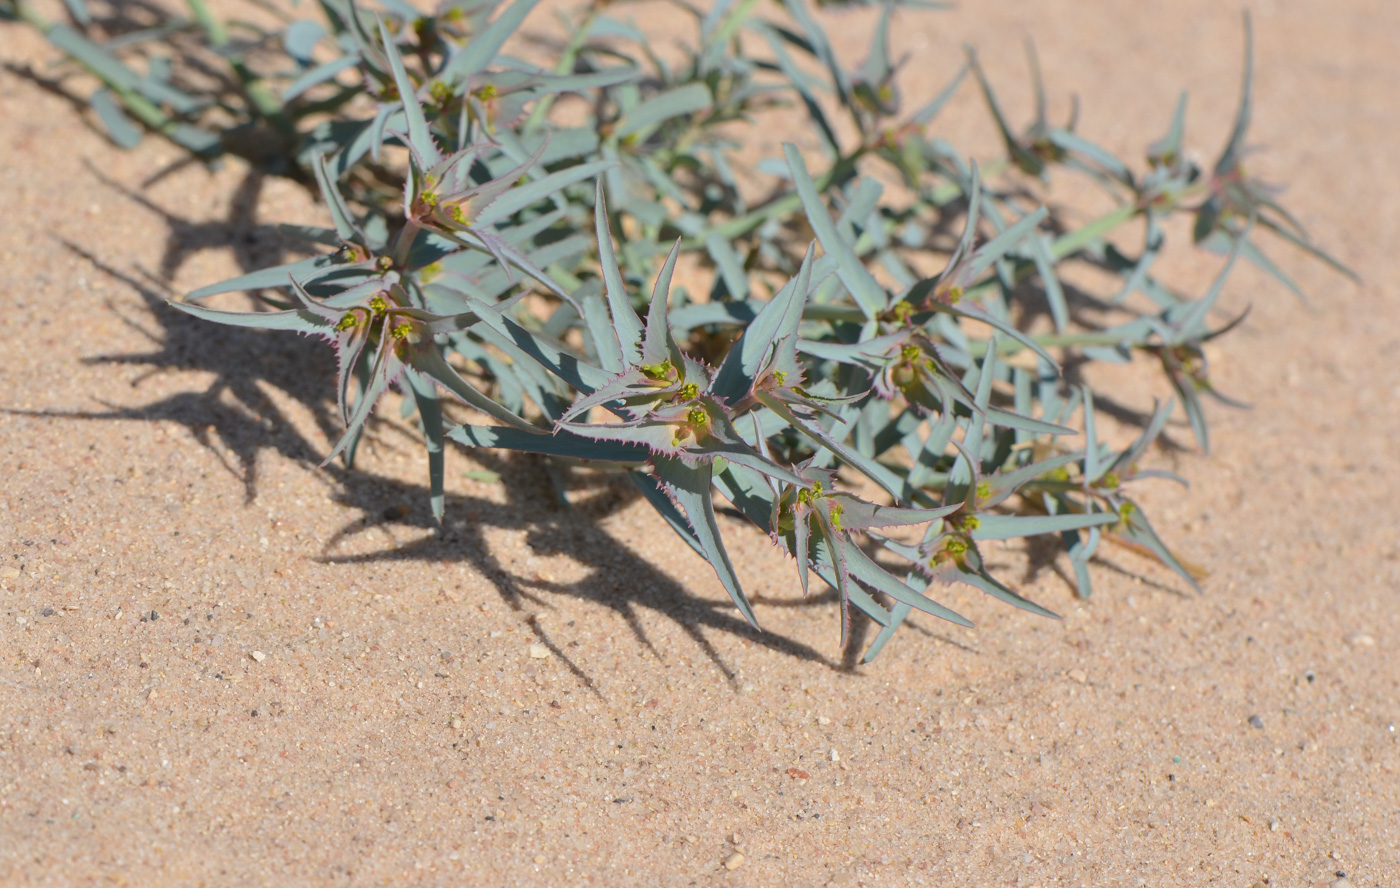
(393, 728)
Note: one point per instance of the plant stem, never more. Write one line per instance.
(1076, 240)
(1005, 348)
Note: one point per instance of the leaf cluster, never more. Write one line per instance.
(864, 413)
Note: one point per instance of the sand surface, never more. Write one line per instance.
(222, 665)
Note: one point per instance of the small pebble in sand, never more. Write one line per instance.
(835, 756)
(1340, 882)
(258, 656)
(1360, 639)
(1078, 675)
(1273, 826)
(734, 861)
(1256, 722)
(539, 652)
(9, 573)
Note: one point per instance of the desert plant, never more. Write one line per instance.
(524, 263)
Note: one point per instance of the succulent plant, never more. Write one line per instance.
(862, 414)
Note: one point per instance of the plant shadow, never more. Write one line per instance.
(237, 417)
(234, 416)
(1045, 553)
(124, 29)
(614, 576)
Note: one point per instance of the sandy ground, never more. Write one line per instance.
(221, 665)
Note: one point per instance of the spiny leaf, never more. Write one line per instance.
(692, 490)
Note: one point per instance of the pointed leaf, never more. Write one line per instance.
(628, 325)
(1230, 156)
(1005, 527)
(876, 577)
(694, 493)
(659, 108)
(430, 412)
(777, 320)
(663, 504)
(418, 135)
(340, 211)
(521, 196)
(659, 345)
(561, 443)
(858, 281)
(1166, 150)
(300, 320)
(483, 46)
(430, 362)
(123, 132)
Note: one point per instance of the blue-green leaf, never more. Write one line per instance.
(299, 320)
(692, 488)
(123, 132)
(522, 196)
(1005, 527)
(663, 106)
(430, 412)
(853, 274)
(560, 443)
(482, 48)
(318, 75)
(419, 136)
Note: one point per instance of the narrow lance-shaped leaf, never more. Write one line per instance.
(625, 320)
(666, 508)
(1167, 149)
(123, 132)
(1230, 156)
(484, 45)
(430, 413)
(692, 489)
(776, 322)
(1006, 527)
(519, 197)
(1093, 467)
(418, 135)
(1135, 528)
(1054, 293)
(561, 443)
(869, 295)
(340, 211)
(927, 112)
(1026, 160)
(300, 320)
(658, 109)
(320, 74)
